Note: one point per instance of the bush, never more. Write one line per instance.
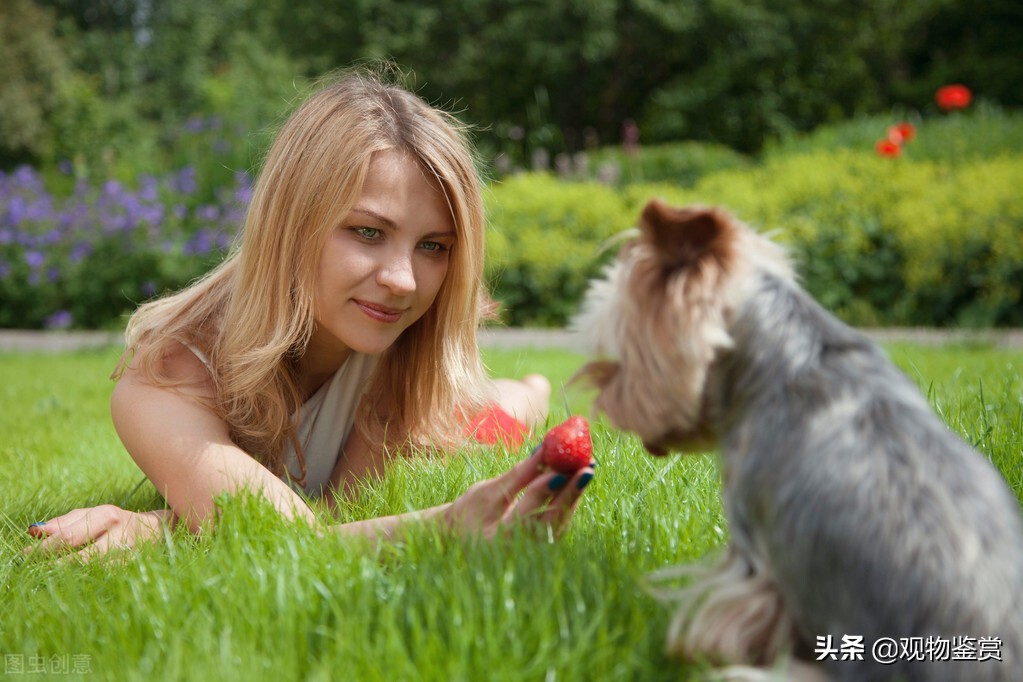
(878, 241)
(985, 132)
(85, 259)
(888, 241)
(680, 163)
(929, 238)
(544, 244)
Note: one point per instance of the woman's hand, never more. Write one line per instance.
(525, 494)
(97, 530)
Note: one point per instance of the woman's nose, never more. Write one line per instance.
(397, 275)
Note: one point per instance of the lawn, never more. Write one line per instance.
(260, 599)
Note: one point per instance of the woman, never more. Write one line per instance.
(341, 330)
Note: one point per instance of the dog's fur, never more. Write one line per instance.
(853, 509)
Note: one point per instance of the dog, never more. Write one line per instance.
(867, 541)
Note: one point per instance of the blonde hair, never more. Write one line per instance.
(253, 315)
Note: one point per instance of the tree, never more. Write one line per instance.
(34, 70)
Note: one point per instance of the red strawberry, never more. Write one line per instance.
(567, 447)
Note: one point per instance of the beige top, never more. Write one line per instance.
(325, 421)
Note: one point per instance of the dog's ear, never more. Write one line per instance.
(684, 235)
(597, 373)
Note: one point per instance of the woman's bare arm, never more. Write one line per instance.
(186, 452)
(185, 449)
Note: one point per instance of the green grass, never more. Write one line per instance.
(261, 599)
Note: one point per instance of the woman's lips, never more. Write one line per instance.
(380, 313)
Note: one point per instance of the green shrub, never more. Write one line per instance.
(545, 243)
(983, 133)
(877, 241)
(930, 238)
(680, 163)
(85, 259)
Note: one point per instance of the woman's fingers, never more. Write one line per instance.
(551, 500)
(97, 530)
(508, 485)
(74, 529)
(563, 506)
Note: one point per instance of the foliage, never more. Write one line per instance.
(883, 242)
(87, 258)
(985, 132)
(680, 163)
(34, 72)
(931, 238)
(263, 599)
(124, 76)
(544, 244)
(109, 78)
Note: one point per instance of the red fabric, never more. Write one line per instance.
(494, 426)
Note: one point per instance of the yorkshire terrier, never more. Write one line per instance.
(867, 541)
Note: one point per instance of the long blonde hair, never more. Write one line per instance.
(252, 316)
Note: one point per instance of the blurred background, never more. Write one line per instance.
(131, 132)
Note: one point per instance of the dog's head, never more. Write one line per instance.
(659, 321)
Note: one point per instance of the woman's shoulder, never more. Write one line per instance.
(172, 365)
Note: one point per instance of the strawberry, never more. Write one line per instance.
(567, 447)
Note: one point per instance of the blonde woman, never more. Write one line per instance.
(341, 330)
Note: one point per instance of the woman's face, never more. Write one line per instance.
(382, 267)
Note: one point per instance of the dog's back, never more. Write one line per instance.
(877, 521)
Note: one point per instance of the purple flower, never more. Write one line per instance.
(79, 251)
(208, 212)
(27, 177)
(243, 191)
(58, 320)
(113, 188)
(34, 259)
(199, 245)
(184, 181)
(17, 208)
(195, 124)
(148, 188)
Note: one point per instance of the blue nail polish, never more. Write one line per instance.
(37, 524)
(558, 482)
(584, 480)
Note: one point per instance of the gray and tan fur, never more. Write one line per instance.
(853, 509)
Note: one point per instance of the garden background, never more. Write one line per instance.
(131, 131)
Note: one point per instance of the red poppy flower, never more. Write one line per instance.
(888, 148)
(901, 133)
(951, 97)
